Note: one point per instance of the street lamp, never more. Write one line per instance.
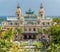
(44, 41)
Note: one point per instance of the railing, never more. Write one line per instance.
(30, 50)
(34, 25)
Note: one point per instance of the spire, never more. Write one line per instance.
(41, 5)
(18, 5)
(29, 9)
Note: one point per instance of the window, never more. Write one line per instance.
(34, 29)
(43, 23)
(41, 15)
(17, 14)
(11, 23)
(38, 22)
(25, 29)
(48, 23)
(15, 23)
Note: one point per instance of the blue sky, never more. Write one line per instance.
(8, 7)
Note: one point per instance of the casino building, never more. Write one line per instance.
(30, 22)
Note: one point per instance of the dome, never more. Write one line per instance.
(18, 11)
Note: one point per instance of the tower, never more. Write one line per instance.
(19, 14)
(41, 12)
(18, 11)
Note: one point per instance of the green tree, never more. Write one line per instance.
(9, 34)
(6, 45)
(54, 33)
(1, 32)
(1, 19)
(40, 30)
(56, 20)
(20, 30)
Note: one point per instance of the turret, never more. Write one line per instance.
(19, 14)
(41, 12)
(18, 11)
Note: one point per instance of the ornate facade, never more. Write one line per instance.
(30, 22)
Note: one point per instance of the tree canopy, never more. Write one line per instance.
(54, 31)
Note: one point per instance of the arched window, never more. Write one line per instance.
(34, 29)
(25, 29)
(41, 15)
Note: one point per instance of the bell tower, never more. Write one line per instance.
(18, 11)
(41, 13)
(19, 14)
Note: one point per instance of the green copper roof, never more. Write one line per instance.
(30, 11)
(30, 14)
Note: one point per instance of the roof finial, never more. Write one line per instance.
(18, 5)
(29, 9)
(41, 5)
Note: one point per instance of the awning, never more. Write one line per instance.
(30, 33)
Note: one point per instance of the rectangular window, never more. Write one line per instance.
(48, 23)
(43, 23)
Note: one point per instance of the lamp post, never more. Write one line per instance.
(29, 44)
(44, 41)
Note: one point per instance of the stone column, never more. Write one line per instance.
(32, 29)
(27, 29)
(32, 36)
